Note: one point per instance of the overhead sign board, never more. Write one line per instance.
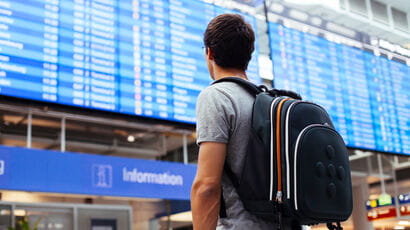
(405, 210)
(404, 198)
(385, 200)
(74, 173)
(382, 213)
(381, 201)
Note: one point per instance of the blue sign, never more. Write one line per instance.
(34, 170)
(404, 198)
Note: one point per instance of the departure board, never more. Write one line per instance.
(136, 57)
(367, 96)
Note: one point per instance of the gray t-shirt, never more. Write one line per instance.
(224, 112)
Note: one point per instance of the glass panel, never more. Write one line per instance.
(5, 217)
(99, 219)
(45, 218)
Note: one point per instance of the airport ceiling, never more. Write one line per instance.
(347, 13)
(399, 4)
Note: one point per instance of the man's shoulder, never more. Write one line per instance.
(224, 89)
(213, 92)
(218, 87)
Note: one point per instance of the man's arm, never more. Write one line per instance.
(206, 189)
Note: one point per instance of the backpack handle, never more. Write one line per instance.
(282, 92)
(255, 90)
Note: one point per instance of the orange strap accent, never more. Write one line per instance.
(278, 131)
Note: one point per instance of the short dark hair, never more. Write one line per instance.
(231, 41)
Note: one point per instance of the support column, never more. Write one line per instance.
(359, 215)
(185, 148)
(29, 130)
(62, 135)
(75, 218)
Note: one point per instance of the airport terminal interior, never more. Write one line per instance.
(98, 98)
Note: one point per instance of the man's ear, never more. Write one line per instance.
(209, 54)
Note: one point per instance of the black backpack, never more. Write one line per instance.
(296, 168)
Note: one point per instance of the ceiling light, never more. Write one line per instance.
(298, 15)
(130, 138)
(374, 42)
(376, 52)
(316, 21)
(180, 217)
(19, 212)
(184, 216)
(5, 212)
(404, 222)
(277, 8)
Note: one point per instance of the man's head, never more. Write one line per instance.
(229, 41)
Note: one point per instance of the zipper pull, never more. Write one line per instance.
(279, 196)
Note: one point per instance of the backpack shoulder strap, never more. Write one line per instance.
(249, 86)
(255, 90)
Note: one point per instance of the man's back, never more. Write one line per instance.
(224, 113)
(223, 120)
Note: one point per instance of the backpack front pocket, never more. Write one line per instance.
(321, 175)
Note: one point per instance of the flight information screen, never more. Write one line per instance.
(367, 96)
(137, 57)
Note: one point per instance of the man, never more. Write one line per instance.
(224, 113)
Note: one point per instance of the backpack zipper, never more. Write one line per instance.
(295, 159)
(271, 146)
(278, 148)
(287, 147)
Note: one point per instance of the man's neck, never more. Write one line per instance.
(229, 72)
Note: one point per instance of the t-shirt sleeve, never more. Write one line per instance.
(215, 116)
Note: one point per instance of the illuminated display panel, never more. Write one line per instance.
(367, 96)
(136, 57)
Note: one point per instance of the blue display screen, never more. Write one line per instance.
(136, 57)
(367, 96)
